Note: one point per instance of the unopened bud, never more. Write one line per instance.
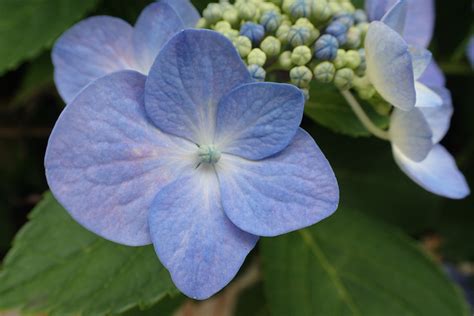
(360, 16)
(301, 55)
(253, 31)
(285, 60)
(324, 72)
(202, 23)
(343, 78)
(257, 72)
(243, 45)
(271, 20)
(340, 60)
(353, 59)
(271, 46)
(257, 57)
(301, 76)
(354, 37)
(231, 16)
(297, 8)
(326, 47)
(321, 10)
(338, 30)
(222, 25)
(212, 13)
(247, 10)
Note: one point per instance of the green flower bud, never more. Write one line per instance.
(285, 20)
(340, 60)
(301, 76)
(324, 72)
(282, 33)
(363, 27)
(334, 7)
(257, 57)
(231, 16)
(222, 26)
(271, 21)
(247, 10)
(306, 93)
(302, 35)
(267, 7)
(271, 46)
(285, 60)
(366, 93)
(347, 7)
(243, 45)
(301, 55)
(212, 13)
(344, 78)
(230, 34)
(304, 22)
(321, 10)
(202, 23)
(353, 59)
(354, 37)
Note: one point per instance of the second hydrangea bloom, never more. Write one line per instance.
(199, 160)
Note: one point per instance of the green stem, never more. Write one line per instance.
(362, 116)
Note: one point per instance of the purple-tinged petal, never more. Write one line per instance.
(293, 189)
(470, 51)
(376, 9)
(433, 77)
(437, 173)
(105, 161)
(187, 81)
(420, 22)
(421, 59)
(257, 120)
(426, 97)
(389, 66)
(193, 237)
(186, 11)
(92, 48)
(157, 23)
(411, 134)
(396, 16)
(439, 118)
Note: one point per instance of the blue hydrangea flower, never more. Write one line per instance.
(196, 158)
(394, 66)
(101, 45)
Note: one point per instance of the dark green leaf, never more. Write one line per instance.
(328, 108)
(29, 26)
(351, 265)
(58, 267)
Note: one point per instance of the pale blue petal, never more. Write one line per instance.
(433, 76)
(105, 161)
(420, 22)
(376, 9)
(92, 48)
(185, 9)
(288, 191)
(470, 51)
(426, 97)
(189, 78)
(257, 120)
(193, 238)
(421, 59)
(396, 16)
(157, 23)
(437, 173)
(389, 66)
(439, 118)
(411, 134)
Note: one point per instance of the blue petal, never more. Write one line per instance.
(420, 22)
(389, 66)
(187, 81)
(89, 50)
(157, 23)
(437, 173)
(105, 161)
(396, 16)
(439, 118)
(426, 97)
(421, 59)
(433, 76)
(257, 120)
(193, 237)
(291, 190)
(185, 9)
(411, 134)
(376, 9)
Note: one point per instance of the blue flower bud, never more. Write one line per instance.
(360, 16)
(271, 20)
(345, 18)
(253, 31)
(339, 31)
(297, 8)
(326, 47)
(257, 72)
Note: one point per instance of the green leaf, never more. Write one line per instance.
(327, 107)
(352, 265)
(29, 26)
(57, 267)
(252, 302)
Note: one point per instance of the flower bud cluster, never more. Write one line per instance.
(306, 39)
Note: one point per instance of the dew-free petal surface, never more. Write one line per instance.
(421, 59)
(376, 9)
(257, 120)
(186, 11)
(293, 189)
(426, 97)
(105, 161)
(192, 73)
(157, 23)
(438, 173)
(193, 237)
(439, 118)
(411, 134)
(389, 66)
(433, 76)
(92, 48)
(396, 16)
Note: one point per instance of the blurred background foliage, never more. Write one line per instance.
(369, 179)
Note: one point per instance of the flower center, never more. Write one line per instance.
(208, 154)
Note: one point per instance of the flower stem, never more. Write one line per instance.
(363, 118)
